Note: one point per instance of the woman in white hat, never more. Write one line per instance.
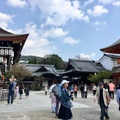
(65, 111)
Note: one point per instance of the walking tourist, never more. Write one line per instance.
(85, 91)
(75, 91)
(65, 111)
(94, 89)
(53, 98)
(106, 87)
(21, 90)
(82, 90)
(26, 90)
(11, 89)
(46, 89)
(112, 89)
(17, 90)
(118, 96)
(57, 92)
(102, 98)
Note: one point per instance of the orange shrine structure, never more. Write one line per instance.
(114, 49)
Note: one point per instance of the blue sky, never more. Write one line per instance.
(68, 28)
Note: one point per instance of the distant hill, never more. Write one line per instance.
(50, 60)
(29, 57)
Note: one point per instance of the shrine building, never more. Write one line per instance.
(10, 49)
(114, 52)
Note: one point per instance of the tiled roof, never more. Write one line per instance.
(84, 65)
(39, 69)
(112, 45)
(4, 33)
(112, 55)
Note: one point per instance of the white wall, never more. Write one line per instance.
(45, 82)
(107, 63)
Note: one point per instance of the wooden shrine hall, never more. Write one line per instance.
(10, 48)
(114, 49)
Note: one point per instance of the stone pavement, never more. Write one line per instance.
(37, 107)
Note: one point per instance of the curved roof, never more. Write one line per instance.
(16, 41)
(114, 48)
(82, 66)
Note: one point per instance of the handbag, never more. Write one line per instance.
(69, 104)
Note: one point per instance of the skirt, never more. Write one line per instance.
(64, 113)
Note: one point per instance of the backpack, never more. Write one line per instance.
(57, 90)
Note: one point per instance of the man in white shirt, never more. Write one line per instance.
(85, 91)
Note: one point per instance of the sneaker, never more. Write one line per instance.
(107, 118)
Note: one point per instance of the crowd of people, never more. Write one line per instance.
(103, 93)
(61, 95)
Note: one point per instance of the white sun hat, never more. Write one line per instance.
(64, 81)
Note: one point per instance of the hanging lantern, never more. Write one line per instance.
(6, 51)
(10, 51)
(1, 59)
(1, 51)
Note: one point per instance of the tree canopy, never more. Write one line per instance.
(20, 72)
(53, 59)
(99, 76)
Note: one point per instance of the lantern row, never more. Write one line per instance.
(6, 52)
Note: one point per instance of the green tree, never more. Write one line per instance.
(100, 76)
(53, 60)
(8, 75)
(33, 61)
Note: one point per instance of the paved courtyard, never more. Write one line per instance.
(37, 107)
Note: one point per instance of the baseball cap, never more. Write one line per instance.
(101, 83)
(64, 81)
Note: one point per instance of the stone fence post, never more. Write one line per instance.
(3, 94)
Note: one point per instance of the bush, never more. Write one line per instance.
(35, 87)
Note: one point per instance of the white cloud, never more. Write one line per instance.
(36, 44)
(100, 29)
(88, 2)
(18, 31)
(113, 2)
(117, 3)
(5, 19)
(54, 32)
(97, 11)
(17, 3)
(58, 12)
(82, 56)
(100, 23)
(106, 1)
(70, 41)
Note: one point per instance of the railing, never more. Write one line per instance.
(3, 94)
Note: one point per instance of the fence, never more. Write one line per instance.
(3, 94)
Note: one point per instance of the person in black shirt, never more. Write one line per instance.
(82, 91)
